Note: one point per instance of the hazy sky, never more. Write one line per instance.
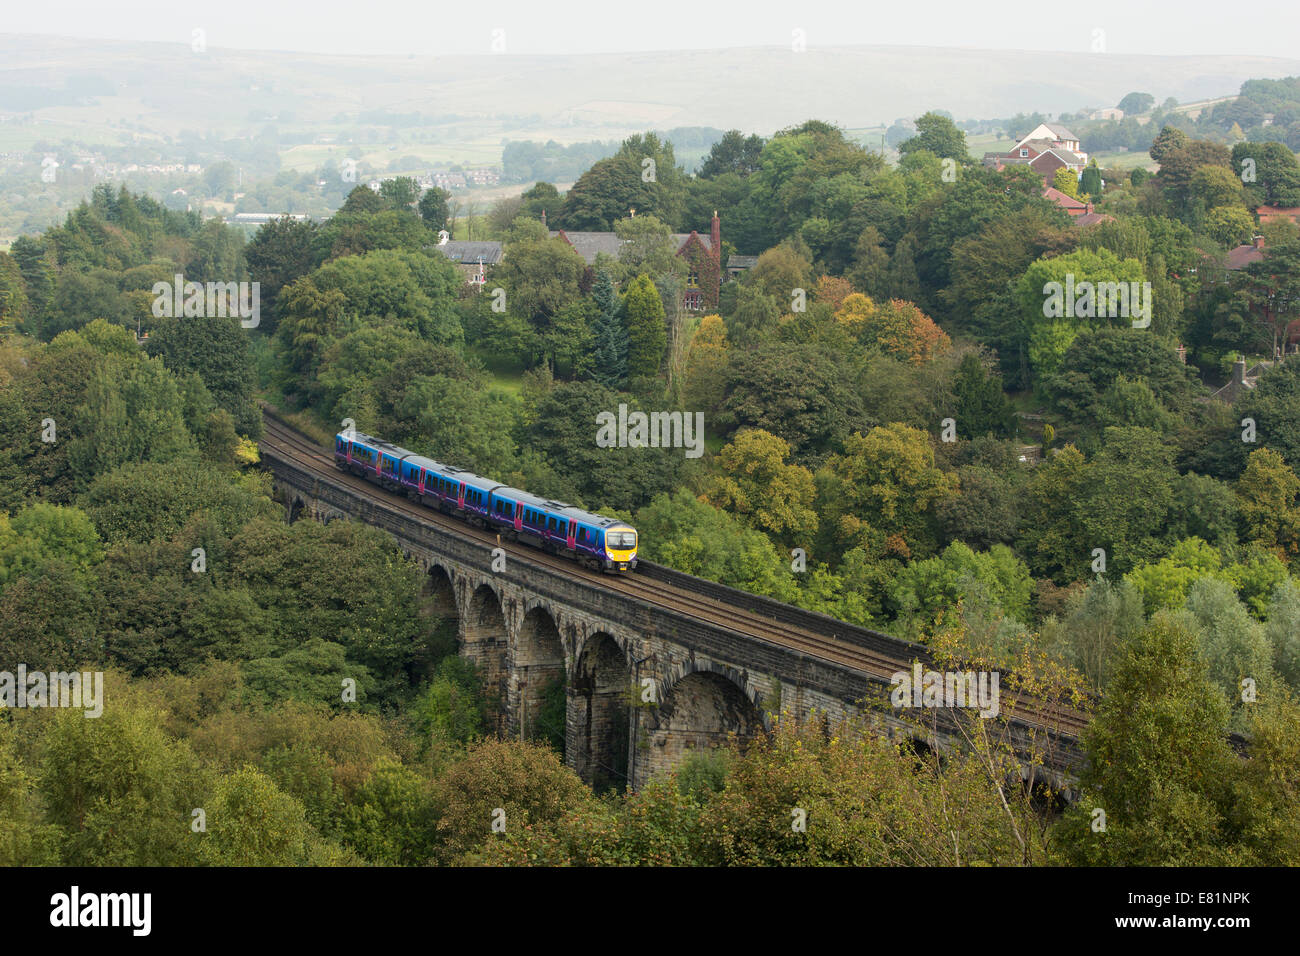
(1267, 27)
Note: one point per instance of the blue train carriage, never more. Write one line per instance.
(370, 457)
(391, 458)
(442, 488)
(416, 472)
(357, 453)
(474, 503)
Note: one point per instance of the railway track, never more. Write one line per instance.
(287, 442)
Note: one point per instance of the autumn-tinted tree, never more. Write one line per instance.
(883, 490)
(706, 364)
(756, 482)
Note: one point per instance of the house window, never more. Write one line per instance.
(1024, 152)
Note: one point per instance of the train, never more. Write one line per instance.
(600, 543)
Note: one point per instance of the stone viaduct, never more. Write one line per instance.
(643, 683)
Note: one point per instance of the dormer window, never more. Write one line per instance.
(1024, 152)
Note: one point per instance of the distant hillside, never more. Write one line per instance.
(161, 89)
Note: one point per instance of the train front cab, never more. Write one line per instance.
(620, 548)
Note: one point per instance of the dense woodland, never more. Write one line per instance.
(891, 308)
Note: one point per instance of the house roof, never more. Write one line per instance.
(1042, 145)
(1271, 212)
(684, 237)
(1064, 200)
(1244, 255)
(741, 262)
(1066, 156)
(591, 244)
(463, 251)
(1061, 131)
(1092, 218)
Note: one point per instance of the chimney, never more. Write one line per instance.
(715, 237)
(1239, 372)
(544, 217)
(1182, 353)
(1257, 242)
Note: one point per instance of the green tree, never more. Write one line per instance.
(937, 134)
(433, 208)
(1270, 514)
(1135, 103)
(251, 822)
(610, 358)
(982, 408)
(42, 533)
(643, 175)
(131, 414)
(647, 335)
(218, 350)
(280, 252)
(1159, 761)
(734, 153)
(803, 394)
(1169, 140)
(118, 786)
(392, 820)
(1050, 321)
(679, 530)
(1090, 181)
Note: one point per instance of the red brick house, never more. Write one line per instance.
(1269, 213)
(1045, 149)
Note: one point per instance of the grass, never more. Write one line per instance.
(1129, 160)
(511, 383)
(982, 143)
